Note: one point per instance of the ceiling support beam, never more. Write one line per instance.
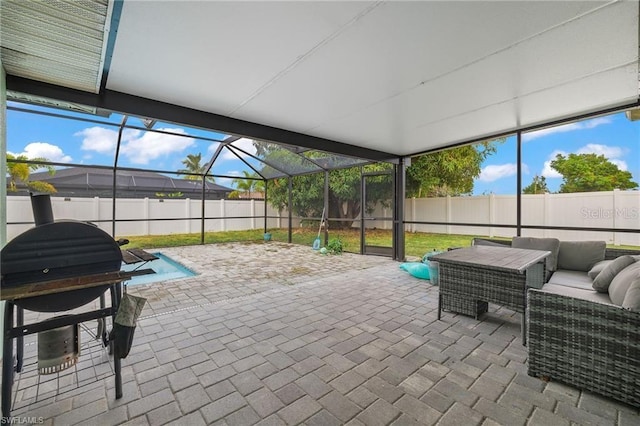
(144, 107)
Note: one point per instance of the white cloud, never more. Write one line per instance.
(595, 122)
(598, 149)
(499, 171)
(152, 145)
(622, 165)
(46, 150)
(98, 139)
(589, 124)
(137, 146)
(245, 144)
(549, 172)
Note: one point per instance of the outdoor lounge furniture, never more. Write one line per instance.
(582, 337)
(473, 276)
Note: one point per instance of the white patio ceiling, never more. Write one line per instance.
(398, 77)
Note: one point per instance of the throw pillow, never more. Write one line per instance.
(632, 298)
(546, 244)
(622, 282)
(580, 255)
(604, 278)
(597, 268)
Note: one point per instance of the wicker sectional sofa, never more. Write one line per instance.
(581, 337)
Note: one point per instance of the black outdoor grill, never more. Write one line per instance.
(56, 251)
(56, 267)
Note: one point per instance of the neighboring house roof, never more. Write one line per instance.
(86, 179)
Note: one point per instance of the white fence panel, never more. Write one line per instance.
(430, 210)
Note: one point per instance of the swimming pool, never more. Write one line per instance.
(165, 268)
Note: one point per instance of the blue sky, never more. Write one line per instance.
(72, 141)
(614, 136)
(80, 142)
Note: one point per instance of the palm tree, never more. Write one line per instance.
(20, 172)
(247, 184)
(192, 164)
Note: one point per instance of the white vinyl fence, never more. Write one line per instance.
(614, 209)
(137, 216)
(611, 209)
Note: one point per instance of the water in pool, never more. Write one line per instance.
(165, 267)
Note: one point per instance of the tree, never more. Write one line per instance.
(537, 186)
(192, 165)
(344, 193)
(20, 172)
(448, 172)
(248, 184)
(590, 173)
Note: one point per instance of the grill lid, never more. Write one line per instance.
(58, 250)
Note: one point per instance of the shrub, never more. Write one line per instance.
(335, 246)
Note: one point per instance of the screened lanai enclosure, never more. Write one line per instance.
(325, 108)
(138, 176)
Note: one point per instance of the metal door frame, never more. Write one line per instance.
(369, 249)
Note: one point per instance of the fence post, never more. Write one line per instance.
(145, 212)
(222, 215)
(492, 213)
(279, 219)
(448, 213)
(253, 214)
(413, 213)
(96, 208)
(616, 202)
(187, 214)
(546, 208)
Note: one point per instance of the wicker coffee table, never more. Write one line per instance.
(472, 277)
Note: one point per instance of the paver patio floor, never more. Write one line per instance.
(277, 334)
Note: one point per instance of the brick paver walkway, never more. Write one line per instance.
(275, 334)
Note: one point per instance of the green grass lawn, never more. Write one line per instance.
(416, 244)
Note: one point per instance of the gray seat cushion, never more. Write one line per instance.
(575, 279)
(580, 255)
(589, 295)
